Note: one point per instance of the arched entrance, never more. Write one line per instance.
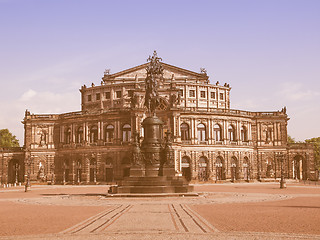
(270, 172)
(109, 170)
(186, 168)
(203, 169)
(299, 168)
(78, 171)
(234, 169)
(41, 175)
(220, 169)
(66, 171)
(246, 169)
(93, 170)
(14, 171)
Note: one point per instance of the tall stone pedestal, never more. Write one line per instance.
(156, 184)
(156, 173)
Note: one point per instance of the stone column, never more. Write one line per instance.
(99, 130)
(209, 131)
(225, 131)
(102, 131)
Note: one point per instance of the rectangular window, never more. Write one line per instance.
(202, 94)
(89, 98)
(213, 95)
(130, 93)
(192, 93)
(107, 95)
(221, 96)
(98, 96)
(118, 94)
(181, 92)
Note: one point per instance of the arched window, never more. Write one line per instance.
(68, 136)
(93, 170)
(93, 134)
(220, 168)
(109, 170)
(80, 135)
(109, 135)
(184, 131)
(201, 132)
(217, 132)
(203, 169)
(269, 135)
(246, 169)
(186, 167)
(78, 171)
(231, 133)
(234, 169)
(244, 134)
(126, 133)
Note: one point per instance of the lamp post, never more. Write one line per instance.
(95, 172)
(64, 173)
(16, 169)
(282, 179)
(28, 185)
(78, 172)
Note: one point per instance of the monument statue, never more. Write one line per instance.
(152, 165)
(136, 153)
(154, 73)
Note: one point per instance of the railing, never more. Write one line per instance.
(231, 111)
(44, 116)
(71, 114)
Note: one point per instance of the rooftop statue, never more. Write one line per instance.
(154, 73)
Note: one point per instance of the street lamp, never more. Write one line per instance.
(78, 171)
(28, 185)
(16, 168)
(64, 173)
(282, 179)
(95, 172)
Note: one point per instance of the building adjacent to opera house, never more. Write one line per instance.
(210, 140)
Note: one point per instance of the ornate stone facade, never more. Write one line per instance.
(210, 140)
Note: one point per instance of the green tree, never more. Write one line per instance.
(291, 139)
(316, 145)
(7, 139)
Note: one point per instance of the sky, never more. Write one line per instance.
(267, 50)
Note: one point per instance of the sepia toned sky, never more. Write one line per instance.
(267, 50)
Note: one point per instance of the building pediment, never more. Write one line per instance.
(169, 72)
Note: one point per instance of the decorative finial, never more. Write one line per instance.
(203, 71)
(107, 72)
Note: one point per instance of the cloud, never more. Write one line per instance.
(49, 102)
(297, 92)
(28, 95)
(38, 103)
